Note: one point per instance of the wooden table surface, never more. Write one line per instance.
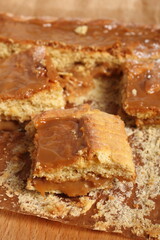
(20, 227)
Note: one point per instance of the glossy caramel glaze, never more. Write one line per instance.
(142, 88)
(9, 125)
(23, 74)
(142, 41)
(58, 142)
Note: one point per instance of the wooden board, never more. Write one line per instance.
(20, 227)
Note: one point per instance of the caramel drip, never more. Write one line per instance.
(70, 188)
(8, 125)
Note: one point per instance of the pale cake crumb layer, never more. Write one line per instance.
(23, 109)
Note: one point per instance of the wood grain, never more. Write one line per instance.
(20, 227)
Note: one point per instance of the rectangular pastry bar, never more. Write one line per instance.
(141, 91)
(114, 40)
(76, 150)
(28, 85)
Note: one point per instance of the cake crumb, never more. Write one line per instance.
(82, 30)
(134, 92)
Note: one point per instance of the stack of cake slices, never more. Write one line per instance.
(63, 84)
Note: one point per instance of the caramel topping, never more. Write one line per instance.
(58, 142)
(152, 83)
(75, 83)
(142, 82)
(8, 125)
(23, 74)
(70, 188)
(100, 33)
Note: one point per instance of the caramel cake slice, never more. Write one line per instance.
(28, 85)
(76, 150)
(118, 40)
(141, 91)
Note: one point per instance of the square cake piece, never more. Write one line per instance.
(28, 85)
(76, 150)
(114, 41)
(141, 91)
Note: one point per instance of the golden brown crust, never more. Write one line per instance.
(148, 122)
